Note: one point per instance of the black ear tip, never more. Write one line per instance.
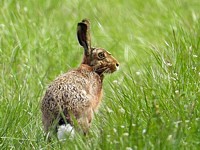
(86, 21)
(84, 24)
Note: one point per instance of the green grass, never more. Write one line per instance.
(151, 103)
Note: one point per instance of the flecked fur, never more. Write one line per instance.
(79, 91)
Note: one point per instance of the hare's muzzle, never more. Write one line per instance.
(115, 66)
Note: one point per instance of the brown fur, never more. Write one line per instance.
(79, 91)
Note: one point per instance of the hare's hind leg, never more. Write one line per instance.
(46, 123)
(85, 120)
(50, 124)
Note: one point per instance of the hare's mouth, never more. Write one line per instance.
(100, 70)
(103, 70)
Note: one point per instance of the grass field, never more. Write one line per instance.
(152, 102)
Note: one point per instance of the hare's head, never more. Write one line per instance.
(98, 58)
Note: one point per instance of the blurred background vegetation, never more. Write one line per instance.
(151, 103)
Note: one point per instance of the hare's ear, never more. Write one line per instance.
(83, 34)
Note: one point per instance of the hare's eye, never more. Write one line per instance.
(101, 55)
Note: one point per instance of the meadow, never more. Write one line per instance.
(152, 102)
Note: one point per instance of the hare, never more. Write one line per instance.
(77, 94)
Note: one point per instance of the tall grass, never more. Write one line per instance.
(151, 103)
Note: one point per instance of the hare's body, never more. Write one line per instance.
(77, 93)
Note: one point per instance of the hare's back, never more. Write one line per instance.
(75, 91)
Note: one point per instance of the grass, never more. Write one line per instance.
(151, 103)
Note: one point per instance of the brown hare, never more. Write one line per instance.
(75, 95)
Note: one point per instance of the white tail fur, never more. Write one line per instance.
(65, 131)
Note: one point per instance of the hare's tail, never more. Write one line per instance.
(65, 131)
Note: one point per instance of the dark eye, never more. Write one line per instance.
(101, 55)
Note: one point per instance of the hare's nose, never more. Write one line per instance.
(117, 66)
